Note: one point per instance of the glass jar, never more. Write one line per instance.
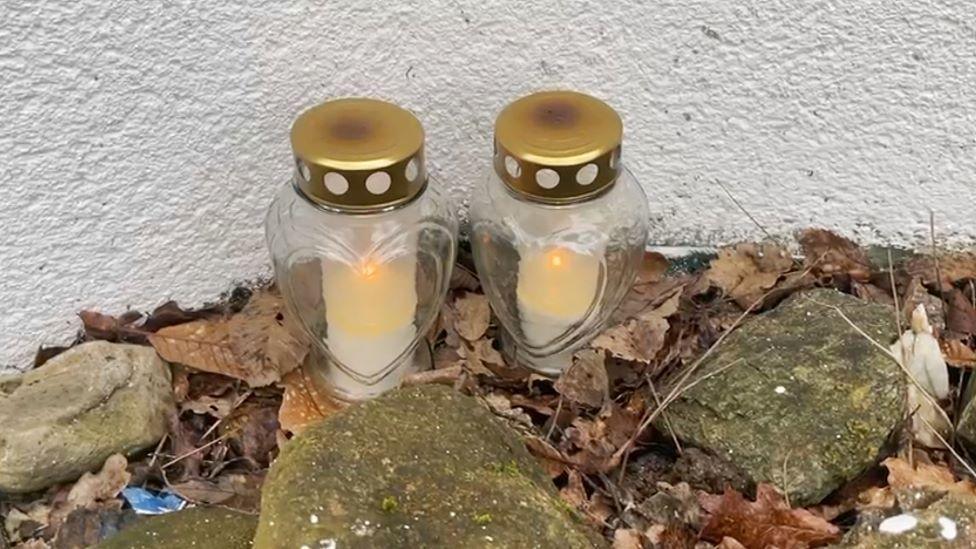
(362, 245)
(558, 228)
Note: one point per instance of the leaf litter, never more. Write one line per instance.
(243, 390)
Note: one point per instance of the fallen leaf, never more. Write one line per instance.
(448, 375)
(250, 430)
(236, 491)
(104, 485)
(640, 338)
(730, 543)
(917, 294)
(901, 476)
(585, 382)
(830, 254)
(960, 313)
(473, 316)
(767, 522)
(258, 345)
(953, 268)
(653, 268)
(958, 353)
(99, 326)
(745, 272)
(627, 538)
(574, 493)
(304, 403)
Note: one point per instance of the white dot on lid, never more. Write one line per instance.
(587, 174)
(378, 183)
(303, 170)
(336, 183)
(512, 167)
(412, 170)
(546, 178)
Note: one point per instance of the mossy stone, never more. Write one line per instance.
(204, 527)
(949, 522)
(418, 467)
(797, 397)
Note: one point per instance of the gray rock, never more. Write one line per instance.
(808, 402)
(68, 416)
(950, 522)
(207, 528)
(418, 467)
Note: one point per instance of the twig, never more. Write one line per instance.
(745, 211)
(159, 448)
(786, 483)
(176, 460)
(555, 418)
(938, 268)
(949, 447)
(667, 422)
(240, 400)
(894, 293)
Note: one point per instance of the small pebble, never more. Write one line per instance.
(898, 524)
(949, 530)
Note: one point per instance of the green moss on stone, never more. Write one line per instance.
(203, 527)
(809, 402)
(442, 456)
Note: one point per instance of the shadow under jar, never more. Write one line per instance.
(558, 228)
(362, 245)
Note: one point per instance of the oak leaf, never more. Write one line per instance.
(831, 254)
(586, 381)
(745, 272)
(767, 522)
(473, 315)
(901, 476)
(641, 337)
(259, 344)
(303, 403)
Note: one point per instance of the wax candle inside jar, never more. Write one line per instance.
(369, 308)
(556, 289)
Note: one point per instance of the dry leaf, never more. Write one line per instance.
(257, 345)
(730, 543)
(303, 403)
(585, 382)
(916, 294)
(960, 314)
(767, 522)
(653, 268)
(642, 337)
(953, 268)
(104, 485)
(473, 316)
(627, 538)
(831, 254)
(745, 272)
(574, 493)
(902, 476)
(958, 353)
(236, 491)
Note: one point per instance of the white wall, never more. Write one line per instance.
(141, 141)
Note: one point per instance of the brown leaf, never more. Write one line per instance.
(643, 336)
(730, 543)
(953, 268)
(473, 316)
(585, 382)
(101, 486)
(251, 430)
(653, 268)
(961, 315)
(767, 522)
(745, 272)
(236, 491)
(917, 294)
(831, 254)
(304, 403)
(958, 353)
(902, 476)
(104, 327)
(257, 345)
(627, 538)
(171, 314)
(574, 493)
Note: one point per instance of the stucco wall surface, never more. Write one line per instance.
(141, 141)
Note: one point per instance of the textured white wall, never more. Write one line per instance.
(141, 141)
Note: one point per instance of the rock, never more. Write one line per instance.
(950, 522)
(808, 402)
(204, 527)
(418, 467)
(68, 416)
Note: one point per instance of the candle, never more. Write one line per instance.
(557, 288)
(370, 309)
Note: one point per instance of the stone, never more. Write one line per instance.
(949, 522)
(68, 416)
(797, 397)
(418, 467)
(204, 527)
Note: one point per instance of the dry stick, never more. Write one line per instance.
(555, 417)
(667, 422)
(786, 482)
(176, 460)
(949, 447)
(938, 269)
(890, 355)
(159, 448)
(745, 211)
(894, 293)
(240, 400)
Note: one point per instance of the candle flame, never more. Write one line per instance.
(555, 259)
(369, 269)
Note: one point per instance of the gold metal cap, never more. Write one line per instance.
(558, 147)
(359, 155)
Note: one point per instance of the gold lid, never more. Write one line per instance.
(558, 147)
(359, 155)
